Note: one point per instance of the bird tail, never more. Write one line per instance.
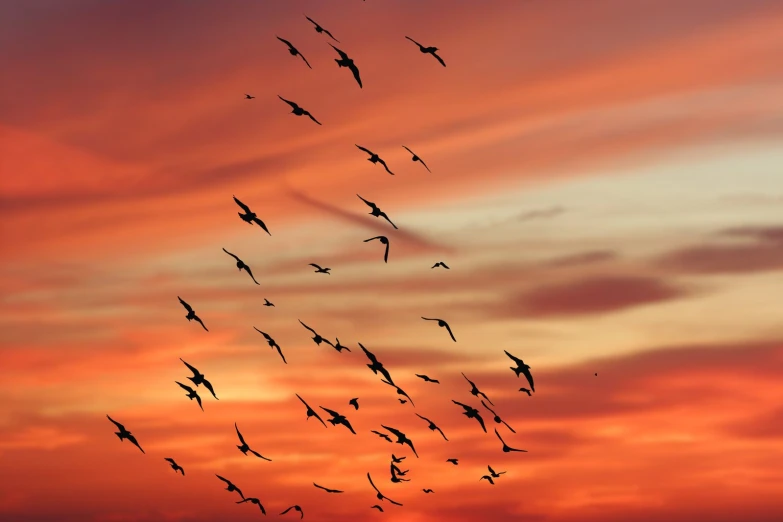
(516, 370)
(119, 434)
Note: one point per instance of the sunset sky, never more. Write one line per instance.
(606, 188)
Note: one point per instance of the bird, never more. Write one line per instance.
(376, 211)
(427, 490)
(442, 324)
(506, 447)
(497, 418)
(191, 314)
(345, 61)
(192, 394)
(521, 368)
(250, 217)
(395, 477)
(248, 97)
(432, 426)
(380, 495)
(338, 419)
(398, 471)
(376, 506)
(475, 391)
(176, 467)
(267, 302)
(354, 402)
(319, 270)
(327, 489)
(253, 500)
(400, 391)
(297, 110)
(376, 365)
(242, 266)
(428, 50)
(340, 347)
(492, 472)
(125, 434)
(471, 413)
(244, 448)
(296, 508)
(596, 374)
(374, 158)
(384, 240)
(293, 50)
(397, 460)
(272, 344)
(230, 486)
(319, 29)
(427, 379)
(440, 263)
(453, 461)
(525, 390)
(488, 479)
(317, 338)
(417, 158)
(402, 401)
(381, 435)
(401, 438)
(311, 412)
(198, 379)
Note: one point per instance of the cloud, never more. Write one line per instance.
(542, 213)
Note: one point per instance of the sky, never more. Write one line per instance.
(605, 187)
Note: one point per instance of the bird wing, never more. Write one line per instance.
(208, 385)
(266, 335)
(386, 253)
(261, 224)
(170, 460)
(191, 368)
(499, 437)
(241, 438)
(347, 424)
(330, 412)
(439, 59)
(393, 430)
(244, 207)
(318, 267)
(392, 501)
(449, 330)
(409, 150)
(514, 358)
(186, 305)
(198, 400)
(281, 353)
(442, 434)
(529, 377)
(424, 418)
(198, 319)
(409, 442)
(119, 426)
(185, 387)
(487, 407)
(292, 104)
(465, 406)
(286, 42)
(355, 71)
(481, 421)
(376, 237)
(312, 118)
(257, 454)
(330, 35)
(342, 54)
(426, 167)
(383, 214)
(371, 483)
(507, 426)
(385, 166)
(311, 264)
(133, 441)
(224, 479)
(414, 41)
(305, 60)
(368, 151)
(311, 20)
(287, 510)
(430, 319)
(250, 273)
(368, 353)
(232, 255)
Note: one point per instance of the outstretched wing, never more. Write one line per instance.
(425, 165)
(312, 118)
(368, 151)
(186, 305)
(119, 426)
(528, 376)
(257, 454)
(514, 358)
(355, 71)
(330, 35)
(133, 441)
(292, 104)
(185, 387)
(198, 319)
(232, 255)
(311, 264)
(385, 166)
(241, 438)
(371, 483)
(342, 54)
(242, 205)
(286, 42)
(319, 268)
(409, 150)
(449, 329)
(386, 253)
(281, 353)
(347, 424)
(439, 59)
(191, 368)
(384, 216)
(481, 421)
(261, 224)
(305, 60)
(208, 385)
(330, 412)
(250, 273)
(414, 41)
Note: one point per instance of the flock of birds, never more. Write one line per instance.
(397, 475)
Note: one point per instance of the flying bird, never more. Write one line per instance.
(380, 495)
(398, 471)
(198, 379)
(338, 419)
(488, 479)
(402, 401)
(471, 413)
(319, 29)
(475, 391)
(376, 506)
(417, 158)
(401, 438)
(442, 324)
(297, 110)
(319, 270)
(427, 379)
(327, 489)
(506, 447)
(382, 435)
(230, 486)
(521, 368)
(253, 500)
(432, 426)
(400, 391)
(384, 240)
(427, 490)
(248, 97)
(294, 51)
(497, 418)
(317, 338)
(340, 347)
(453, 461)
(376, 211)
(376, 365)
(125, 434)
(296, 508)
(311, 412)
(428, 50)
(397, 460)
(395, 476)
(242, 266)
(525, 390)
(191, 314)
(250, 217)
(272, 344)
(374, 158)
(493, 473)
(440, 263)
(176, 467)
(267, 302)
(345, 61)
(354, 402)
(192, 394)
(244, 448)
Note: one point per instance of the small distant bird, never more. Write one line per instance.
(453, 461)
(497, 418)
(381, 435)
(294, 51)
(427, 490)
(440, 263)
(401, 438)
(475, 391)
(244, 448)
(317, 338)
(267, 302)
(125, 434)
(380, 495)
(384, 240)
(272, 344)
(297, 110)
(433, 426)
(176, 467)
(376, 506)
(319, 29)
(345, 61)
(493, 474)
(340, 347)
(428, 50)
(376, 211)
(191, 314)
(327, 489)
(596, 375)
(442, 324)
(402, 401)
(230, 486)
(198, 379)
(242, 266)
(397, 460)
(296, 508)
(416, 158)
(248, 97)
(250, 217)
(338, 419)
(192, 394)
(525, 390)
(488, 479)
(374, 158)
(427, 379)
(376, 365)
(506, 447)
(253, 500)
(319, 270)
(400, 391)
(354, 402)
(521, 368)
(471, 413)
(311, 412)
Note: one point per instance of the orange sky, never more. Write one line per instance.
(605, 187)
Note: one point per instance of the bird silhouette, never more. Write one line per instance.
(402, 401)
(427, 379)
(340, 347)
(299, 111)
(345, 61)
(381, 435)
(506, 447)
(198, 378)
(296, 508)
(384, 240)
(125, 434)
(293, 50)
(395, 477)
(475, 391)
(317, 338)
(191, 314)
(248, 97)
(272, 344)
(488, 479)
(453, 461)
(267, 302)
(380, 495)
(417, 158)
(338, 419)
(428, 50)
(397, 460)
(230, 486)
(401, 438)
(432, 426)
(526, 391)
(497, 418)
(319, 270)
(471, 413)
(320, 29)
(242, 266)
(440, 263)
(398, 471)
(493, 473)
(400, 391)
(376, 506)
(192, 394)
(354, 402)
(427, 490)
(244, 448)
(327, 489)
(442, 324)
(253, 500)
(176, 467)
(311, 412)
(376, 365)
(250, 217)
(374, 158)
(376, 211)
(521, 368)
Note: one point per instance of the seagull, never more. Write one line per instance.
(253, 500)
(376, 211)
(297, 110)
(248, 97)
(400, 391)
(192, 394)
(338, 419)
(427, 490)
(250, 217)
(319, 270)
(395, 477)
(339, 347)
(271, 342)
(230, 486)
(488, 479)
(176, 467)
(244, 448)
(345, 61)
(525, 390)
(125, 434)
(327, 489)
(267, 302)
(498, 420)
(416, 158)
(401, 438)
(442, 324)
(382, 435)
(380, 495)
(475, 391)
(319, 29)
(296, 508)
(376, 365)
(242, 266)
(293, 50)
(397, 460)
(506, 447)
(191, 314)
(493, 474)
(521, 368)
(428, 50)
(427, 379)
(384, 240)
(453, 461)
(376, 506)
(198, 379)
(317, 338)
(354, 402)
(432, 426)
(311, 412)
(471, 413)
(440, 263)
(374, 158)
